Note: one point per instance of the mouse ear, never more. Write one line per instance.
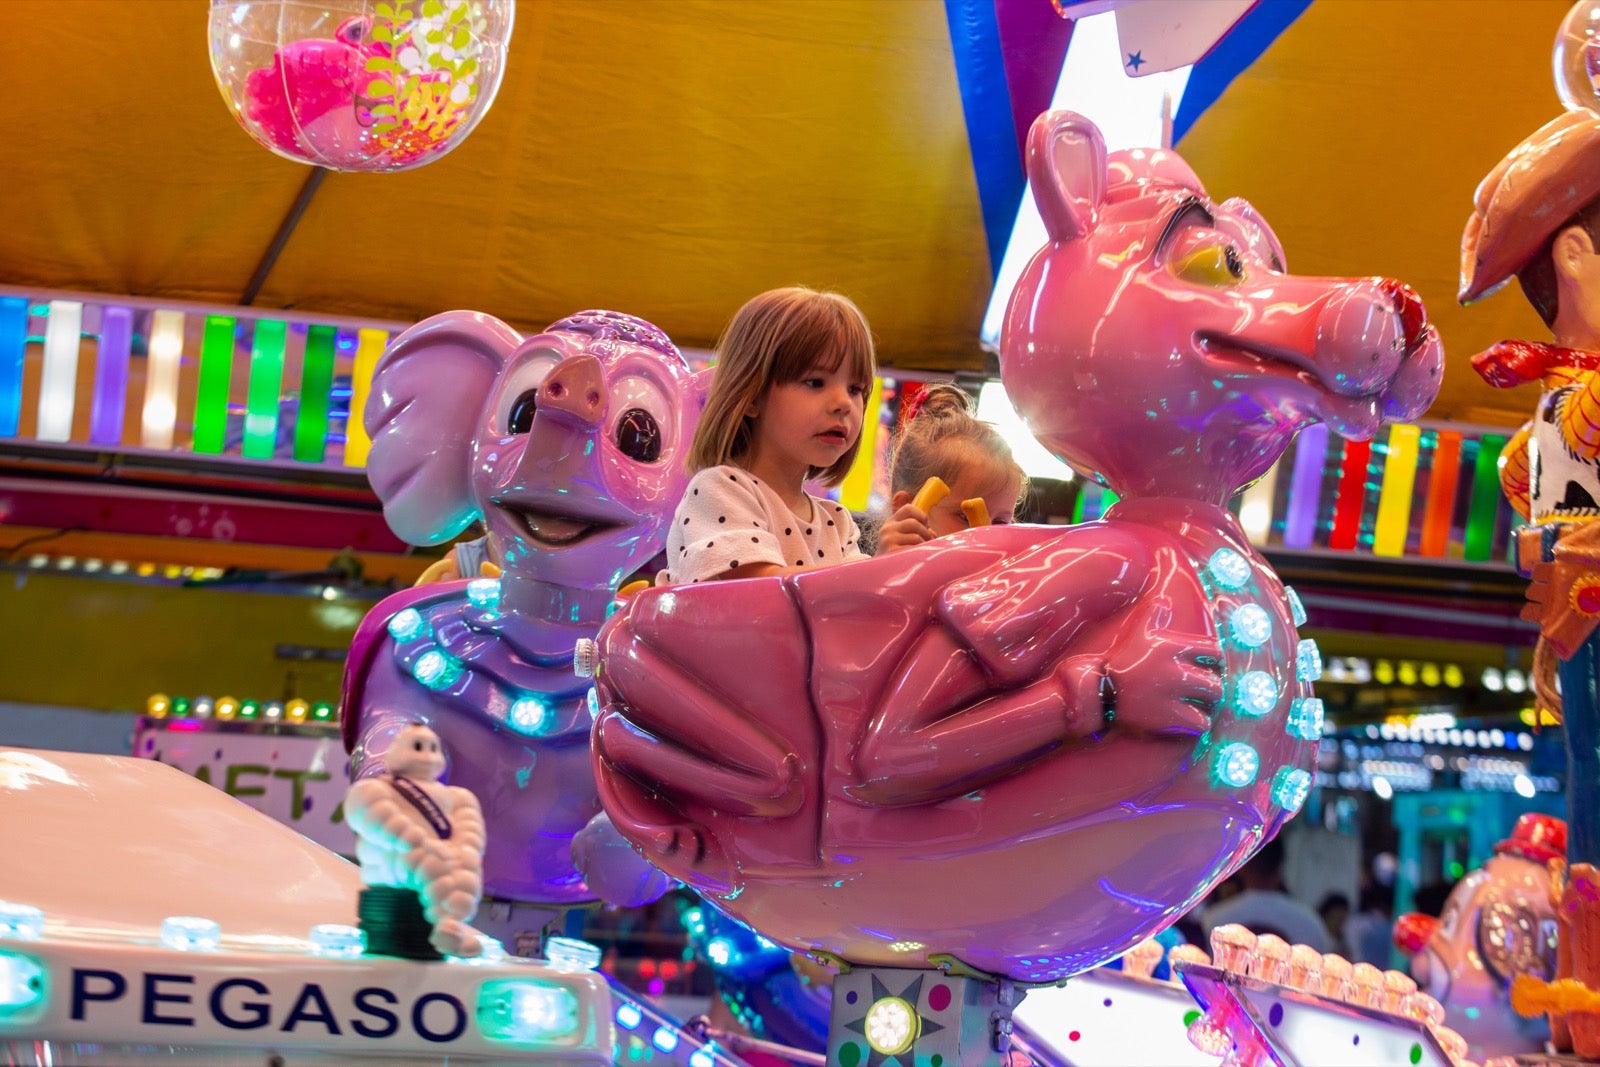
(1067, 168)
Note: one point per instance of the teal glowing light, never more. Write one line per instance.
(571, 954)
(21, 922)
(1255, 694)
(407, 625)
(1235, 765)
(720, 951)
(337, 941)
(1228, 568)
(436, 669)
(484, 592)
(1290, 787)
(531, 715)
(1307, 661)
(188, 933)
(21, 981)
(1305, 719)
(1251, 625)
(592, 698)
(1297, 610)
(526, 1011)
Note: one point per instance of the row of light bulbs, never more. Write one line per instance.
(1359, 671)
(1429, 735)
(120, 567)
(161, 706)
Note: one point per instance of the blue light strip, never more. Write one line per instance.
(13, 345)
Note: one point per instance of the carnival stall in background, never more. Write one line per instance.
(1332, 586)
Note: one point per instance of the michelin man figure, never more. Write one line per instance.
(420, 844)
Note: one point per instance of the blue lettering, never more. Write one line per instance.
(418, 1024)
(81, 995)
(311, 992)
(152, 998)
(391, 1021)
(260, 1013)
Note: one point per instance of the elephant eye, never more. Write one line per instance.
(642, 420)
(639, 435)
(520, 418)
(515, 395)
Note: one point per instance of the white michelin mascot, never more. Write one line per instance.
(420, 844)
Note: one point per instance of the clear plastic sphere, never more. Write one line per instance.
(359, 86)
(1577, 57)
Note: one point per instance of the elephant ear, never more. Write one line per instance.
(424, 414)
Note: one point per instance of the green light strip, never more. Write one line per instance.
(1485, 498)
(211, 395)
(316, 383)
(266, 384)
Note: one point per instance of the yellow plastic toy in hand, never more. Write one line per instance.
(933, 490)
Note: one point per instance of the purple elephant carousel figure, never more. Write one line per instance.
(1018, 751)
(568, 446)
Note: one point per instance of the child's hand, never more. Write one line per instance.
(907, 527)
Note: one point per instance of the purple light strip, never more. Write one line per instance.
(1305, 487)
(111, 376)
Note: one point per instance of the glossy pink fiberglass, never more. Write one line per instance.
(1030, 747)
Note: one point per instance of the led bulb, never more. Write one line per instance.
(20, 922)
(407, 625)
(337, 940)
(436, 669)
(1290, 787)
(628, 1015)
(1307, 661)
(22, 981)
(571, 954)
(1297, 610)
(1251, 625)
(527, 1011)
(1236, 764)
(1255, 694)
(1228, 569)
(891, 1026)
(188, 933)
(1305, 719)
(484, 592)
(530, 715)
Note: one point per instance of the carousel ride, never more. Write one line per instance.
(971, 718)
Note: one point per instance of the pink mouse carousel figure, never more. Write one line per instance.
(1018, 751)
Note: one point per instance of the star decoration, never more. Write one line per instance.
(910, 995)
(1135, 60)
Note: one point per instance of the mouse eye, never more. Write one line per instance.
(1215, 265)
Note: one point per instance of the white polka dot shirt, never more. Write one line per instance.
(728, 518)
